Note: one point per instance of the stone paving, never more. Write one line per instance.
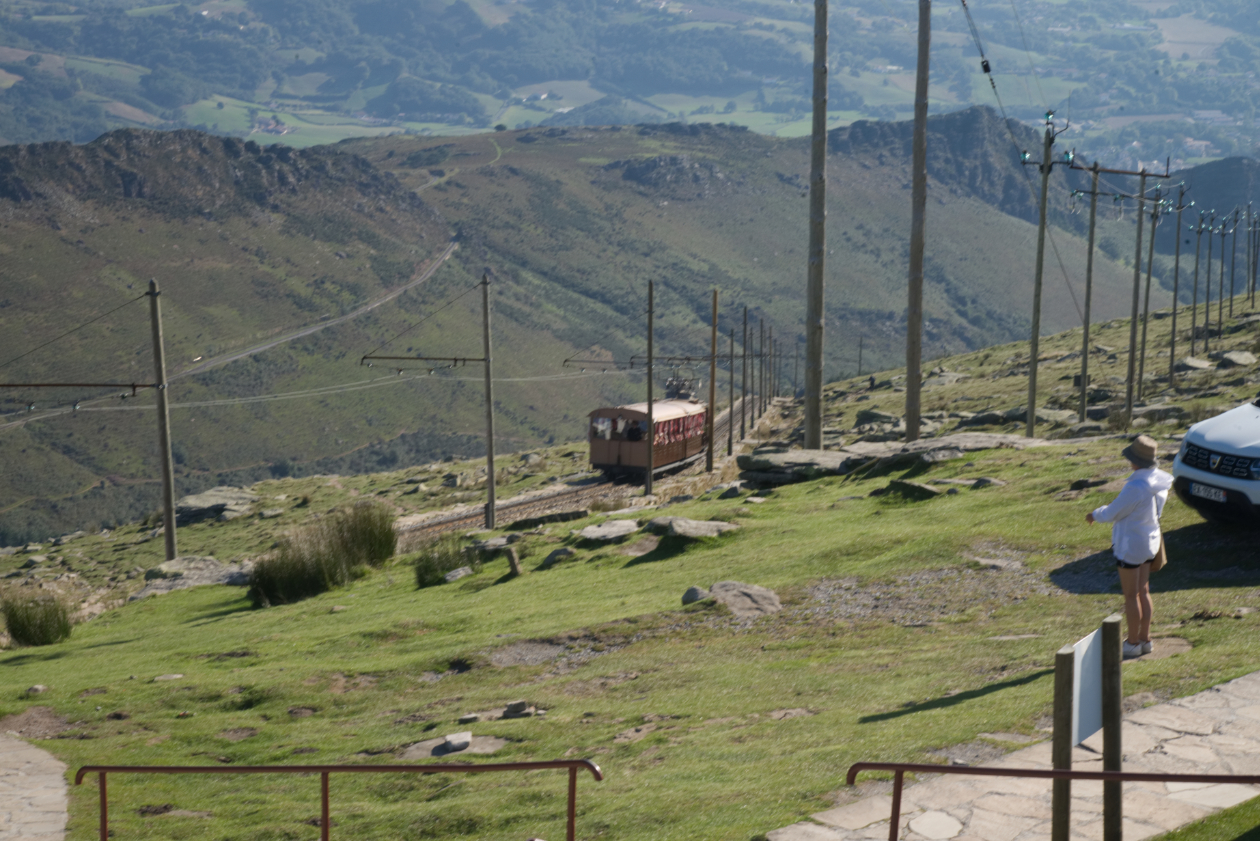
(1213, 732)
(32, 793)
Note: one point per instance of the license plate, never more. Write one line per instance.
(1207, 492)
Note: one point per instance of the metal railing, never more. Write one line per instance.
(899, 770)
(572, 765)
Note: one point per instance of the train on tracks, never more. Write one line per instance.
(619, 437)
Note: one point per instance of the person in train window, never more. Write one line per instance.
(635, 432)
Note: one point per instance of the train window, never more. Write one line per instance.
(601, 428)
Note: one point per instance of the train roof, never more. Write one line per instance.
(662, 410)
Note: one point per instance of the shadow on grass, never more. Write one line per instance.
(669, 547)
(23, 659)
(1201, 555)
(223, 609)
(951, 700)
(114, 642)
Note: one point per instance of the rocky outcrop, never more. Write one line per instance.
(222, 502)
(191, 571)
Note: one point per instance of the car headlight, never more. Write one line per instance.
(1181, 453)
(1255, 469)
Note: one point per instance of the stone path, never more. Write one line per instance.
(1214, 732)
(32, 793)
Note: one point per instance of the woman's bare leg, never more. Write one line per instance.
(1129, 583)
(1144, 601)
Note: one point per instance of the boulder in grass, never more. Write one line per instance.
(695, 529)
(694, 594)
(456, 574)
(746, 601)
(1238, 359)
(912, 490)
(1191, 363)
(214, 503)
(987, 482)
(610, 530)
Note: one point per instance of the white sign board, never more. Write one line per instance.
(1087, 688)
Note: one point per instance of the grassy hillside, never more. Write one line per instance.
(912, 631)
(252, 243)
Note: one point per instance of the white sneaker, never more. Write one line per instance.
(1148, 647)
(1130, 650)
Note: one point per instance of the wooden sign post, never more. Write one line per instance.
(1087, 698)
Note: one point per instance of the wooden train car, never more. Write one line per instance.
(619, 439)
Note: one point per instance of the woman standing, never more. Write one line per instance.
(1135, 537)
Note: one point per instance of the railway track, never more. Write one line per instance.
(570, 499)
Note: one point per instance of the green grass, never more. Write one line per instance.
(1239, 823)
(35, 619)
(876, 689)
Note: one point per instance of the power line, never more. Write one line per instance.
(448, 304)
(1027, 52)
(987, 68)
(68, 332)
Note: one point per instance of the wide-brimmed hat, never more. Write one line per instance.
(1141, 451)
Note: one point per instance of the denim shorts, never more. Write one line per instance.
(1123, 565)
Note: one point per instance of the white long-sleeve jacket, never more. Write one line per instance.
(1134, 515)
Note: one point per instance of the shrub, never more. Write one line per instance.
(364, 534)
(435, 560)
(39, 619)
(323, 556)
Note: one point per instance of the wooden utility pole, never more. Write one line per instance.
(861, 340)
(650, 437)
(1207, 289)
(743, 387)
(1172, 348)
(918, 222)
(1220, 288)
(1233, 262)
(485, 342)
(1061, 743)
(1194, 300)
(1112, 715)
(1030, 427)
(1137, 292)
(770, 367)
(730, 413)
(796, 370)
(708, 459)
(761, 367)
(817, 237)
(1089, 288)
(164, 423)
(1146, 305)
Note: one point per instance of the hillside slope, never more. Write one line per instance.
(252, 244)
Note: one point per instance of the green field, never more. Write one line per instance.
(900, 637)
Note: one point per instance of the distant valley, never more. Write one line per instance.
(251, 243)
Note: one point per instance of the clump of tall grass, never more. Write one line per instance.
(36, 619)
(325, 555)
(434, 560)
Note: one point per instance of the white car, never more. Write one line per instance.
(1217, 472)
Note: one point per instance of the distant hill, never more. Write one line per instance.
(252, 243)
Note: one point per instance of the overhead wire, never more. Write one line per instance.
(74, 330)
(448, 304)
(1032, 68)
(987, 67)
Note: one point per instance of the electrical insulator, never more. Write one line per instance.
(1024, 156)
(984, 65)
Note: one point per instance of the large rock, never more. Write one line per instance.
(746, 601)
(1238, 359)
(694, 594)
(610, 530)
(983, 419)
(191, 571)
(695, 529)
(1191, 363)
(214, 503)
(912, 490)
(1159, 412)
(866, 416)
